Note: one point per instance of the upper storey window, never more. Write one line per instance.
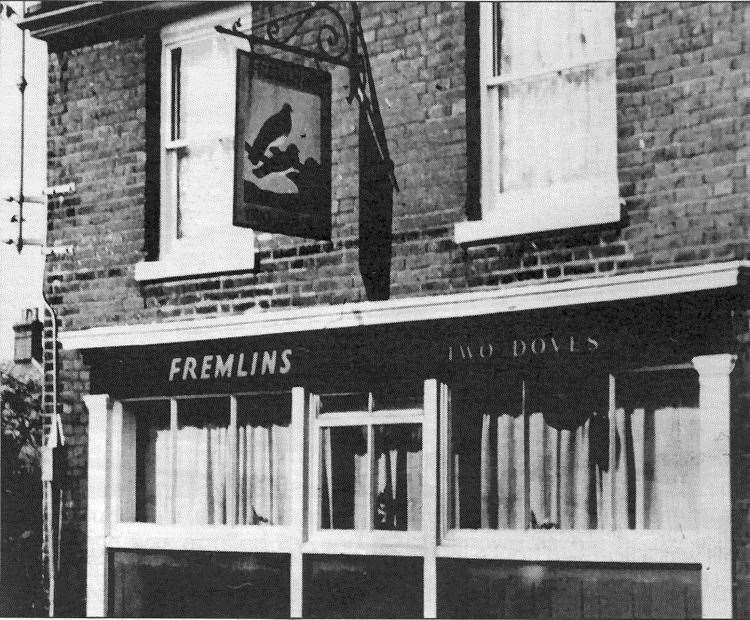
(549, 142)
(198, 68)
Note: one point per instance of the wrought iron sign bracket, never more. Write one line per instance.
(331, 40)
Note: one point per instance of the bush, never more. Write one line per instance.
(21, 501)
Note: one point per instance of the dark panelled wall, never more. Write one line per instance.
(682, 93)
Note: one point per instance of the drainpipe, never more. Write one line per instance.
(55, 432)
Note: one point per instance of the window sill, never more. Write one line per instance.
(182, 265)
(256, 538)
(523, 212)
(639, 546)
(360, 542)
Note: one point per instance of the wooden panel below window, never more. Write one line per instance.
(192, 584)
(493, 589)
(362, 587)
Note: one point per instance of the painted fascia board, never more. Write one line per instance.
(509, 299)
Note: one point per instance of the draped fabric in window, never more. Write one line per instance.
(153, 464)
(543, 457)
(201, 461)
(557, 107)
(217, 474)
(263, 460)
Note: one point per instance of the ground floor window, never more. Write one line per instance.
(370, 460)
(576, 452)
(208, 461)
(415, 498)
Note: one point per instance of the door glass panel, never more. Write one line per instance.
(398, 477)
(344, 483)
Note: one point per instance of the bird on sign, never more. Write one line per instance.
(276, 126)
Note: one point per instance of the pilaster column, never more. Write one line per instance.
(298, 499)
(98, 508)
(715, 511)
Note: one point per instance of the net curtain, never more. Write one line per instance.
(555, 455)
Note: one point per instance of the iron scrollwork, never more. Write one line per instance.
(331, 38)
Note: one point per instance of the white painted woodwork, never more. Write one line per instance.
(210, 243)
(99, 508)
(715, 514)
(507, 299)
(645, 546)
(298, 498)
(549, 143)
(430, 474)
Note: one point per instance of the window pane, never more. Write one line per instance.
(398, 477)
(657, 467)
(547, 436)
(568, 439)
(558, 128)
(344, 484)
(204, 176)
(538, 453)
(152, 461)
(263, 426)
(203, 461)
(534, 36)
(475, 485)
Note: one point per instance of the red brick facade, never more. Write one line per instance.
(683, 86)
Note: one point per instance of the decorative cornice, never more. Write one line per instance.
(88, 22)
(510, 299)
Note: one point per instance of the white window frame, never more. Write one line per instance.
(370, 537)
(709, 545)
(520, 212)
(226, 253)
(112, 479)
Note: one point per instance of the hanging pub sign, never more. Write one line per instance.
(282, 176)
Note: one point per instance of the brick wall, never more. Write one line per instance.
(683, 79)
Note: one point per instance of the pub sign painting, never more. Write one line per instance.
(282, 177)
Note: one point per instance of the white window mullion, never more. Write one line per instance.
(297, 500)
(511, 77)
(490, 110)
(232, 482)
(445, 460)
(612, 516)
(315, 465)
(173, 460)
(430, 516)
(371, 482)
